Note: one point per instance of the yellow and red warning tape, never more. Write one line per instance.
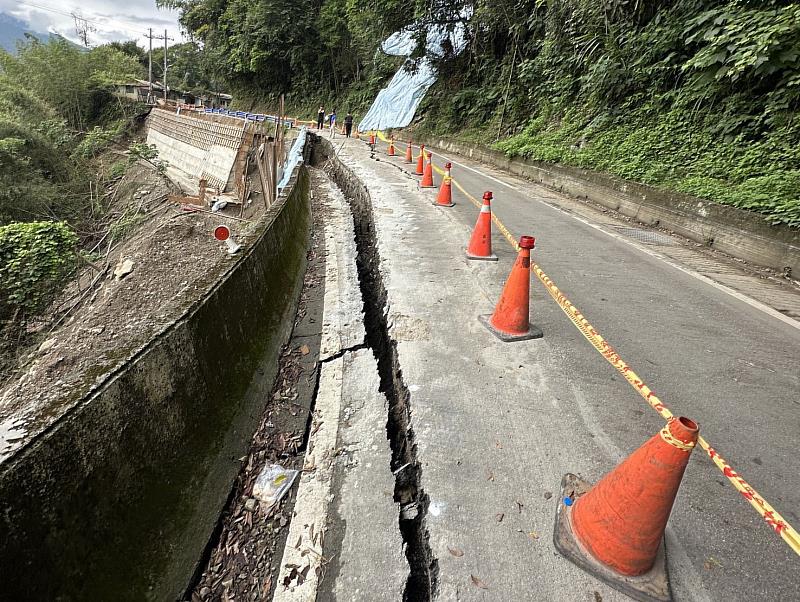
(767, 512)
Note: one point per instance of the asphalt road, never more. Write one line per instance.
(710, 356)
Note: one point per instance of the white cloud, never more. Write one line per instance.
(112, 19)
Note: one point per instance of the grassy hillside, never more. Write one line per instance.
(699, 96)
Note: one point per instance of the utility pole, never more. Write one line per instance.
(83, 28)
(165, 66)
(151, 37)
(150, 68)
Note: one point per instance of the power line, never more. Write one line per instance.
(106, 25)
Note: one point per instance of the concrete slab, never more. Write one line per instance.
(303, 557)
(344, 542)
(370, 564)
(343, 319)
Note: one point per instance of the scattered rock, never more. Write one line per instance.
(124, 267)
(48, 344)
(250, 504)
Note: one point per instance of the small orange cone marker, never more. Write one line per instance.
(223, 233)
(510, 321)
(391, 147)
(615, 530)
(445, 196)
(372, 139)
(409, 153)
(480, 243)
(427, 175)
(420, 160)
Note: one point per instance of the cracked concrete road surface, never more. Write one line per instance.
(477, 433)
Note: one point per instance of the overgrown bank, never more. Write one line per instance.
(696, 96)
(699, 97)
(63, 149)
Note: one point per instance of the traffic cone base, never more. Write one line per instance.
(491, 257)
(511, 320)
(652, 586)
(437, 203)
(534, 332)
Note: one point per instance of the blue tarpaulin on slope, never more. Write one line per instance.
(396, 104)
(294, 158)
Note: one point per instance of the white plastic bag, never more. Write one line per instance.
(272, 483)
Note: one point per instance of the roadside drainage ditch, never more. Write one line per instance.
(421, 584)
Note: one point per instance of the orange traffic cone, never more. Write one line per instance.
(445, 196)
(480, 243)
(372, 139)
(615, 530)
(409, 153)
(420, 160)
(510, 322)
(391, 147)
(427, 175)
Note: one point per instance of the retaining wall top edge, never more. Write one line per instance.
(262, 226)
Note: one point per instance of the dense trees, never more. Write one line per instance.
(56, 112)
(699, 96)
(266, 47)
(51, 95)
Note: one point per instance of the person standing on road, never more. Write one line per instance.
(320, 117)
(332, 120)
(348, 124)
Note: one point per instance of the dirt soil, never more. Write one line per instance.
(102, 319)
(243, 560)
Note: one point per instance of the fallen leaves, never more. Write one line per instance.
(455, 552)
(499, 517)
(477, 582)
(304, 350)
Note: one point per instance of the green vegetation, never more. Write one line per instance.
(314, 51)
(35, 258)
(697, 96)
(57, 113)
(670, 152)
(190, 69)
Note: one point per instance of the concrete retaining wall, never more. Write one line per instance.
(739, 233)
(198, 147)
(117, 500)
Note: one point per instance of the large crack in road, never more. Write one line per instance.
(421, 584)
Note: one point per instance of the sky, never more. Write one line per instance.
(112, 19)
